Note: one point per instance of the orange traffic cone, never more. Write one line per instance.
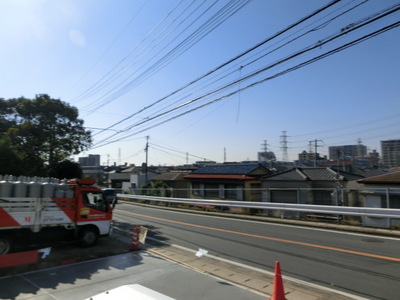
(278, 292)
(135, 239)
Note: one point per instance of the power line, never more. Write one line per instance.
(213, 22)
(317, 58)
(102, 82)
(279, 33)
(170, 150)
(344, 31)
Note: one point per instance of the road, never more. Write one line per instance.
(104, 275)
(364, 265)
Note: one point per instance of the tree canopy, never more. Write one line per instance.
(38, 134)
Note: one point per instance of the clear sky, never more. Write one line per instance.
(185, 73)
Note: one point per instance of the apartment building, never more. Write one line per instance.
(93, 160)
(390, 150)
(347, 151)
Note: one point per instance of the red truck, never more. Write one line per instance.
(35, 212)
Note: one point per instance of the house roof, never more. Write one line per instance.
(219, 176)
(170, 176)
(128, 170)
(393, 178)
(232, 169)
(312, 174)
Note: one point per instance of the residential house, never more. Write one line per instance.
(178, 187)
(117, 177)
(313, 185)
(233, 181)
(382, 191)
(140, 177)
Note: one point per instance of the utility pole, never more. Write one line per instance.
(315, 147)
(147, 156)
(224, 154)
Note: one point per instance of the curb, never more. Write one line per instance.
(254, 279)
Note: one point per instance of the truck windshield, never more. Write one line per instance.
(95, 200)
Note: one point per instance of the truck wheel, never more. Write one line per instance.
(88, 236)
(5, 245)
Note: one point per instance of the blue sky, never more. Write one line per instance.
(117, 61)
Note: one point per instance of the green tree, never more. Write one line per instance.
(10, 162)
(66, 169)
(43, 131)
(158, 188)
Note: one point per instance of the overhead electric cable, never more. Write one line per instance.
(279, 33)
(344, 31)
(141, 53)
(241, 65)
(310, 61)
(182, 47)
(107, 50)
(90, 91)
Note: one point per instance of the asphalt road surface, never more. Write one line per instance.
(104, 275)
(364, 265)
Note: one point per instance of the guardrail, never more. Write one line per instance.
(309, 208)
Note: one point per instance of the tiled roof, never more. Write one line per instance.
(312, 174)
(289, 175)
(218, 176)
(320, 174)
(386, 178)
(170, 176)
(228, 169)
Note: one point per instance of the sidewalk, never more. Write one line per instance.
(244, 276)
(251, 278)
(206, 265)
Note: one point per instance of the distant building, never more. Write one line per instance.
(95, 172)
(374, 158)
(311, 156)
(93, 160)
(266, 156)
(390, 153)
(309, 159)
(347, 151)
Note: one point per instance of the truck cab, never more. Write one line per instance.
(110, 195)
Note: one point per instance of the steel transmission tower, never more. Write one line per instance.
(284, 147)
(264, 146)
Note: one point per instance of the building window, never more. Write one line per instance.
(394, 201)
(323, 197)
(211, 190)
(198, 189)
(231, 191)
